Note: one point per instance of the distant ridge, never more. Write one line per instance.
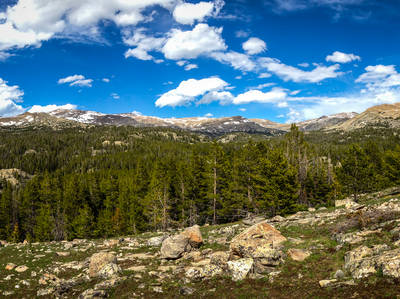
(386, 115)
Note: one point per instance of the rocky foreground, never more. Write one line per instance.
(352, 251)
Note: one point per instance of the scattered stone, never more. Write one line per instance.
(8, 293)
(167, 268)
(295, 241)
(327, 282)
(252, 221)
(45, 292)
(63, 253)
(139, 256)
(10, 266)
(240, 268)
(347, 202)
(111, 243)
(137, 268)
(185, 291)
(201, 263)
(156, 241)
(277, 218)
(195, 256)
(339, 274)
(93, 294)
(68, 246)
(298, 254)
(21, 269)
(157, 289)
(107, 284)
(207, 251)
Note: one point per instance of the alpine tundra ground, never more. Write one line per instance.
(352, 251)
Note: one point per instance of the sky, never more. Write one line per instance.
(282, 60)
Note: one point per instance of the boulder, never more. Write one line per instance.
(240, 268)
(298, 254)
(174, 247)
(262, 242)
(103, 264)
(194, 235)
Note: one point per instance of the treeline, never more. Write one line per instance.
(117, 181)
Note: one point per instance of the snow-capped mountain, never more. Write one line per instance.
(71, 117)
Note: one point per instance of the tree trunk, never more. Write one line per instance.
(215, 191)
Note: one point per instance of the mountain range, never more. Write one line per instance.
(386, 115)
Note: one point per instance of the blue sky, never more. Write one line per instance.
(280, 60)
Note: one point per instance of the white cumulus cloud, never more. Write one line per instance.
(254, 46)
(191, 66)
(189, 90)
(237, 60)
(340, 57)
(51, 108)
(9, 96)
(188, 13)
(201, 40)
(275, 96)
(76, 80)
(290, 73)
(143, 44)
(30, 22)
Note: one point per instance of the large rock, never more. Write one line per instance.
(262, 242)
(240, 268)
(174, 247)
(194, 235)
(103, 264)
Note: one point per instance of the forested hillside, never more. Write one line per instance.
(109, 181)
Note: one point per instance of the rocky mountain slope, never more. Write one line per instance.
(350, 251)
(387, 115)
